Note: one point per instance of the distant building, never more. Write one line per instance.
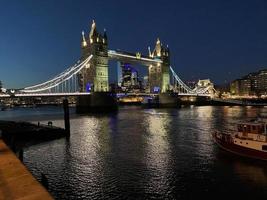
(241, 87)
(146, 83)
(234, 87)
(245, 87)
(204, 83)
(252, 84)
(119, 73)
(129, 80)
(262, 82)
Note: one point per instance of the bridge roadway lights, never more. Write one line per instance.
(97, 102)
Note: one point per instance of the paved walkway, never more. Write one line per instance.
(16, 182)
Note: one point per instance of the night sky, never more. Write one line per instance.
(220, 40)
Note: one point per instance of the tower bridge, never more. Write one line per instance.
(89, 75)
(95, 77)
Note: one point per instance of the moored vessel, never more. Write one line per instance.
(248, 140)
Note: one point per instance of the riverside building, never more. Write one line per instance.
(253, 84)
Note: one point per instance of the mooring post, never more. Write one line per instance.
(21, 155)
(12, 143)
(66, 116)
(44, 181)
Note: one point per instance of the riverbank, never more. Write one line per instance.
(20, 128)
(14, 132)
(16, 182)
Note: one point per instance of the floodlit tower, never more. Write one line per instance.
(95, 77)
(159, 78)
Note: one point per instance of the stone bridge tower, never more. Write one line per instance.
(94, 77)
(159, 78)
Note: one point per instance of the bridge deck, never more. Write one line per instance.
(88, 93)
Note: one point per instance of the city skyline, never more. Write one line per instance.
(219, 40)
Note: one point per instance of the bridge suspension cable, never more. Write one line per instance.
(207, 90)
(181, 84)
(69, 75)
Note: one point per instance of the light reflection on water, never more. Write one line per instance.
(158, 152)
(144, 154)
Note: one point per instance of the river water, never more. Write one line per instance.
(144, 154)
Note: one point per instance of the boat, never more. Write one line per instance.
(248, 140)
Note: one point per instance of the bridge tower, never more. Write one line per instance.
(159, 78)
(94, 77)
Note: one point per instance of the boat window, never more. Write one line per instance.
(264, 147)
(262, 129)
(253, 128)
(258, 129)
(248, 129)
(244, 128)
(239, 127)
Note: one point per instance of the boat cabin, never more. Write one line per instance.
(256, 128)
(252, 130)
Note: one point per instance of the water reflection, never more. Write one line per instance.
(255, 174)
(84, 162)
(158, 152)
(145, 154)
(204, 128)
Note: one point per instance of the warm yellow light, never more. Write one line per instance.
(138, 55)
(84, 43)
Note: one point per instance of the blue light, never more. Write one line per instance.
(88, 87)
(156, 89)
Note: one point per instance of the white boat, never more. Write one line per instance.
(248, 140)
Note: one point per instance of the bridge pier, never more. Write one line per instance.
(168, 100)
(97, 102)
(162, 100)
(195, 100)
